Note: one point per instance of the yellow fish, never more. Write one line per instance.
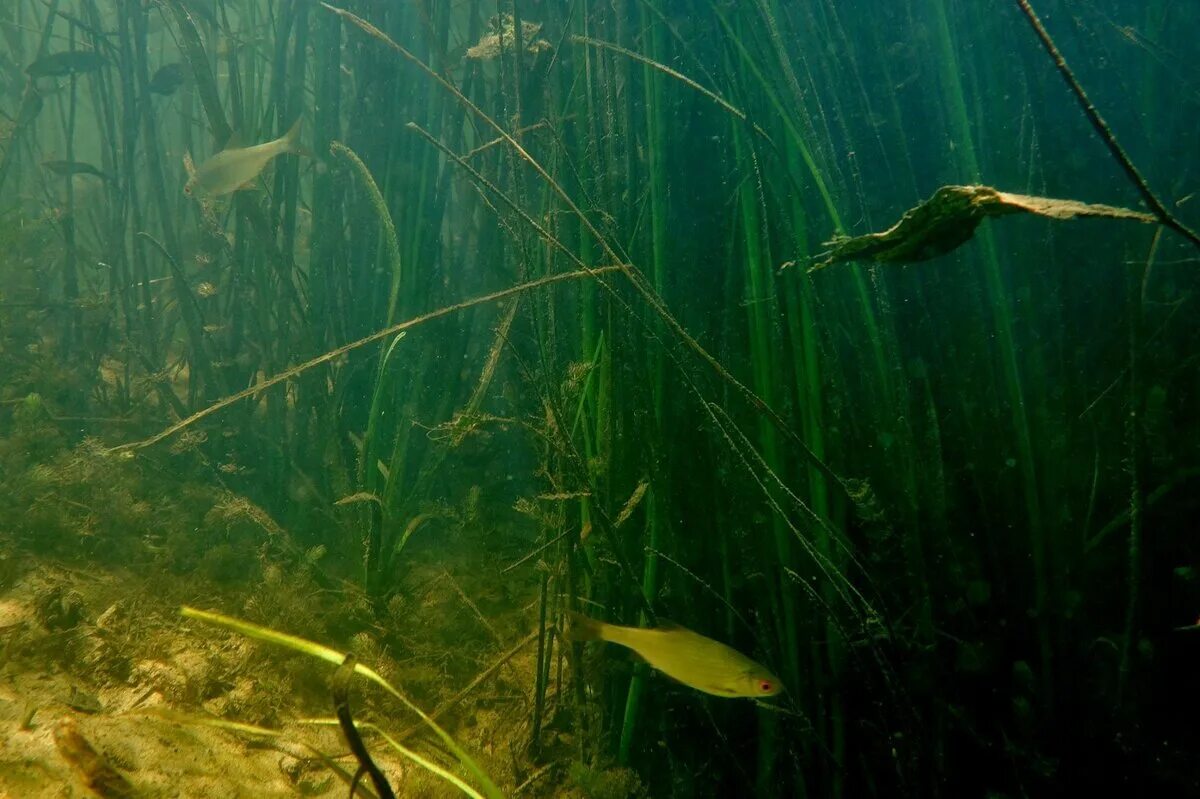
(690, 658)
(234, 167)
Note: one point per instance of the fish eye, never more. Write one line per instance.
(765, 686)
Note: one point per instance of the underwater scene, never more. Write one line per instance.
(599, 398)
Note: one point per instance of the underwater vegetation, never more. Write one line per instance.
(378, 378)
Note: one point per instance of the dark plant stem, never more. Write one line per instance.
(1133, 434)
(1152, 202)
(539, 696)
(340, 688)
(71, 265)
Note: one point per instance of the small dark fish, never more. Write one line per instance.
(59, 64)
(83, 701)
(68, 168)
(167, 79)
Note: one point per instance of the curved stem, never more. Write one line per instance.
(385, 221)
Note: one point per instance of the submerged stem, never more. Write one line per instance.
(1102, 128)
(378, 335)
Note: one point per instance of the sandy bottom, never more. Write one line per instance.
(105, 690)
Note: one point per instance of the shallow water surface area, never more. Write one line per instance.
(654, 398)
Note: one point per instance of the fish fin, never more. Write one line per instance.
(667, 624)
(291, 140)
(234, 141)
(582, 628)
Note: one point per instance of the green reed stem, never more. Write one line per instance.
(1002, 319)
(321, 652)
(385, 223)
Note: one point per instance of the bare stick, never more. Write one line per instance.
(362, 342)
(473, 684)
(677, 75)
(1105, 132)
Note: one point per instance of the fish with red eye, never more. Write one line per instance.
(688, 657)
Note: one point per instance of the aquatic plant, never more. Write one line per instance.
(554, 258)
(321, 652)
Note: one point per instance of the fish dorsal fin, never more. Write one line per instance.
(234, 141)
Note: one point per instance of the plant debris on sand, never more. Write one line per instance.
(103, 684)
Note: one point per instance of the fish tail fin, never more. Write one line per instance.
(584, 629)
(291, 140)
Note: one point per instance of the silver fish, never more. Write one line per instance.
(235, 167)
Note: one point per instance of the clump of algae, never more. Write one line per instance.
(589, 782)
